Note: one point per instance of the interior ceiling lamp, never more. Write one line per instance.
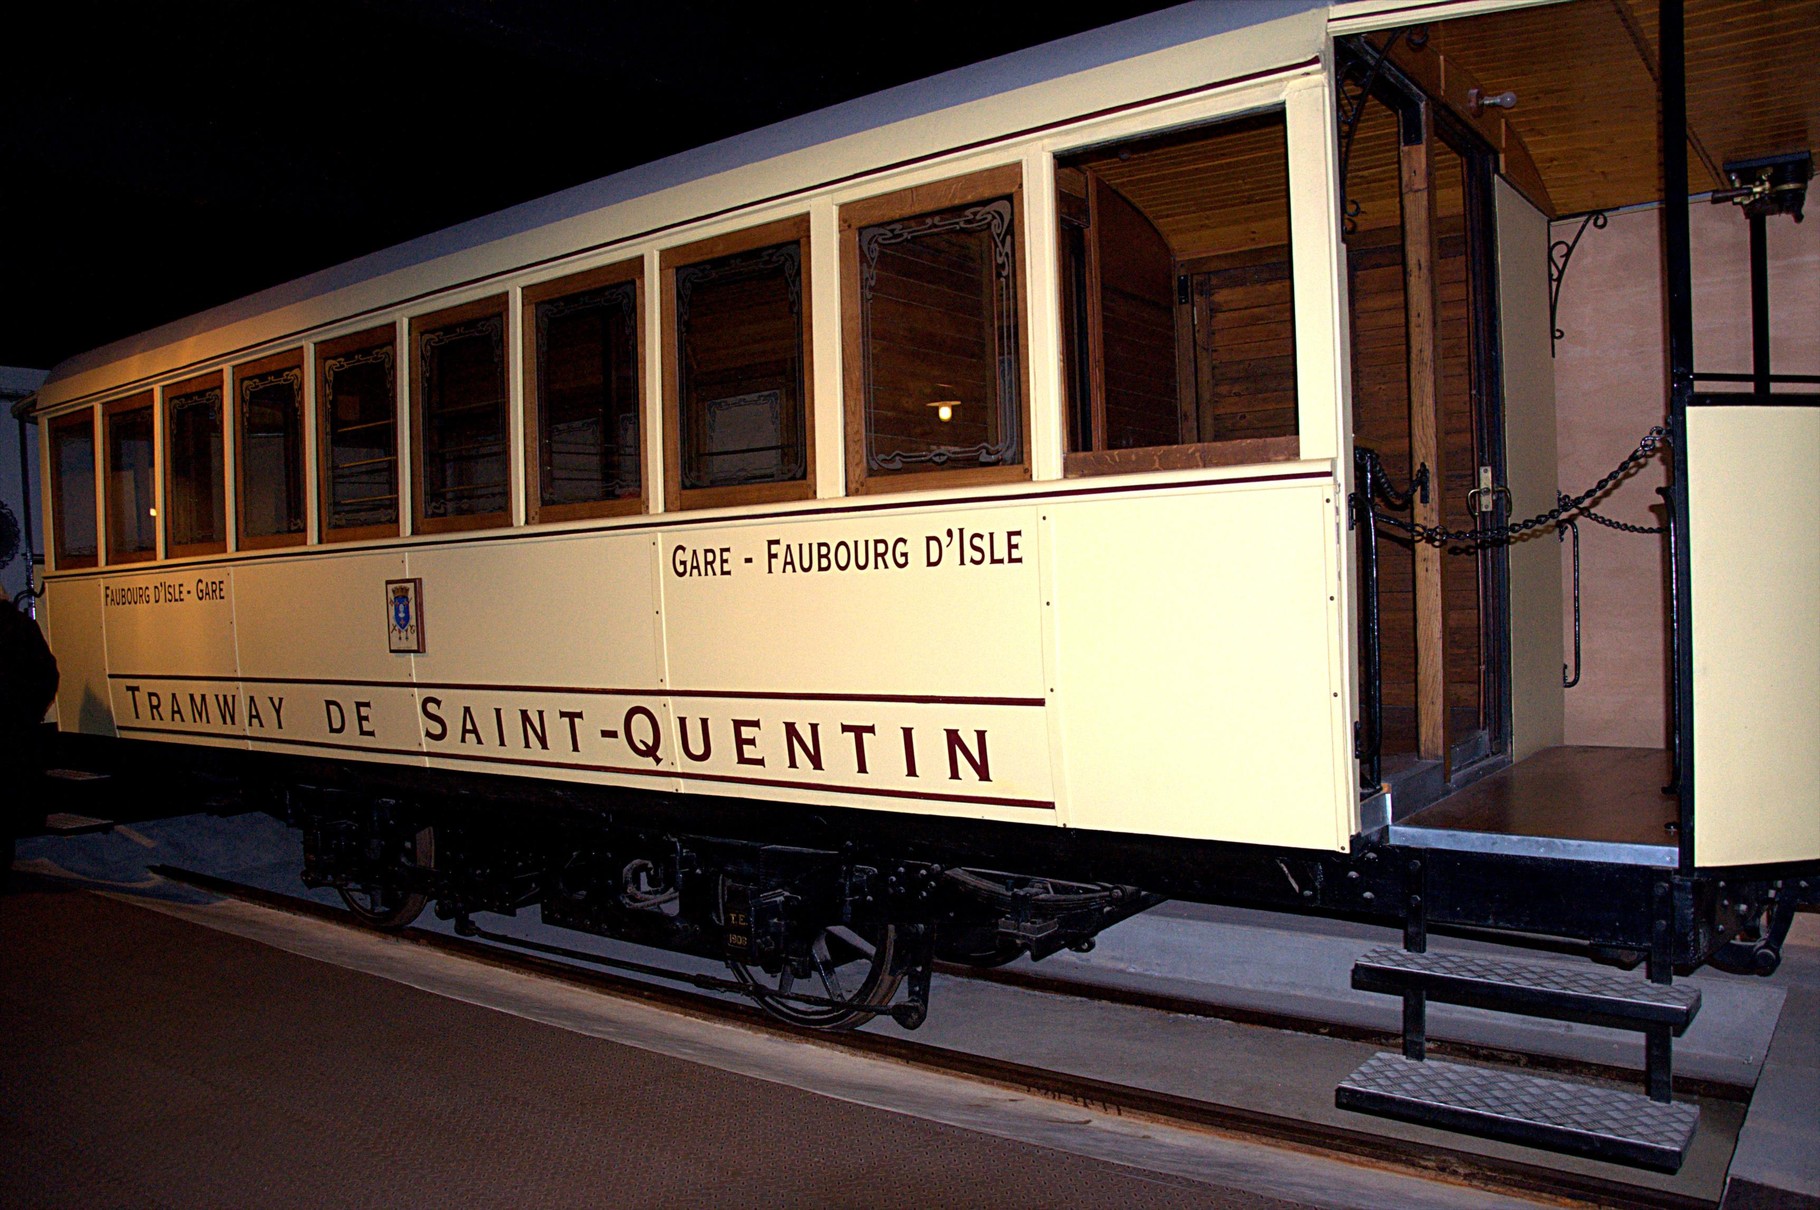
(1772, 185)
(944, 402)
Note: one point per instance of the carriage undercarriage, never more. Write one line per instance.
(823, 917)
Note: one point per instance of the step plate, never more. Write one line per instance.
(1581, 993)
(1582, 1119)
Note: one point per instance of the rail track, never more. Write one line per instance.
(1428, 1160)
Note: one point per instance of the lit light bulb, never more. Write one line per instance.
(152, 511)
(944, 412)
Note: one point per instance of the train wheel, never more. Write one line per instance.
(388, 907)
(383, 907)
(851, 966)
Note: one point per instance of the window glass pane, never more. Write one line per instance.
(462, 368)
(587, 396)
(132, 511)
(740, 368)
(940, 373)
(1182, 330)
(358, 390)
(73, 487)
(193, 468)
(271, 453)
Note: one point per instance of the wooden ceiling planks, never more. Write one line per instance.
(1585, 78)
(1219, 193)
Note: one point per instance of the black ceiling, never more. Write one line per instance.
(158, 159)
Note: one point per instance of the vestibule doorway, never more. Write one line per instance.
(1421, 274)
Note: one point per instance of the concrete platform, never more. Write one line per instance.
(1249, 960)
(156, 1062)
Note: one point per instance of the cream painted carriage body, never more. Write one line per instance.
(1145, 676)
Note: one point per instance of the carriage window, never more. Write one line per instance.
(582, 394)
(933, 334)
(356, 394)
(458, 382)
(269, 503)
(73, 488)
(132, 505)
(1178, 309)
(736, 373)
(194, 505)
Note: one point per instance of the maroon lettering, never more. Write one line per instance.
(572, 717)
(743, 743)
(958, 751)
(811, 748)
(707, 741)
(436, 728)
(859, 732)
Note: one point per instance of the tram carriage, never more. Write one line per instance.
(943, 526)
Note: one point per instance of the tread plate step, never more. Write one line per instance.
(1551, 989)
(1583, 1119)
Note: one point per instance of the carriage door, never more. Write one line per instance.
(1421, 274)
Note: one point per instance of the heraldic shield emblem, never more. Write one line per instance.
(404, 616)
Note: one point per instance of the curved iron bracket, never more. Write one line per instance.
(1560, 252)
(1351, 106)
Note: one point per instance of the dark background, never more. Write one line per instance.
(160, 159)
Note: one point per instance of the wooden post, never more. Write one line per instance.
(1422, 304)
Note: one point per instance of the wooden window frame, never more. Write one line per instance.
(176, 390)
(783, 231)
(1197, 455)
(104, 459)
(536, 511)
(383, 336)
(276, 363)
(70, 420)
(494, 304)
(1004, 181)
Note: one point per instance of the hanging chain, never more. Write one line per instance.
(1611, 523)
(1439, 535)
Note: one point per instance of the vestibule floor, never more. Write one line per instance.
(1586, 796)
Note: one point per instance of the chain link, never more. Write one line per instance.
(1623, 526)
(1440, 535)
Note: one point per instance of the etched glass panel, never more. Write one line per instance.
(73, 487)
(941, 371)
(587, 396)
(132, 509)
(193, 469)
(271, 452)
(463, 459)
(739, 339)
(359, 398)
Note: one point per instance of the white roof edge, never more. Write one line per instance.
(1080, 52)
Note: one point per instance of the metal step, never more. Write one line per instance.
(1585, 993)
(1581, 1119)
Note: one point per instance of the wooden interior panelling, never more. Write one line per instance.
(1137, 317)
(1187, 300)
(1244, 343)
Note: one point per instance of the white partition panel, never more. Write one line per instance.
(1755, 609)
